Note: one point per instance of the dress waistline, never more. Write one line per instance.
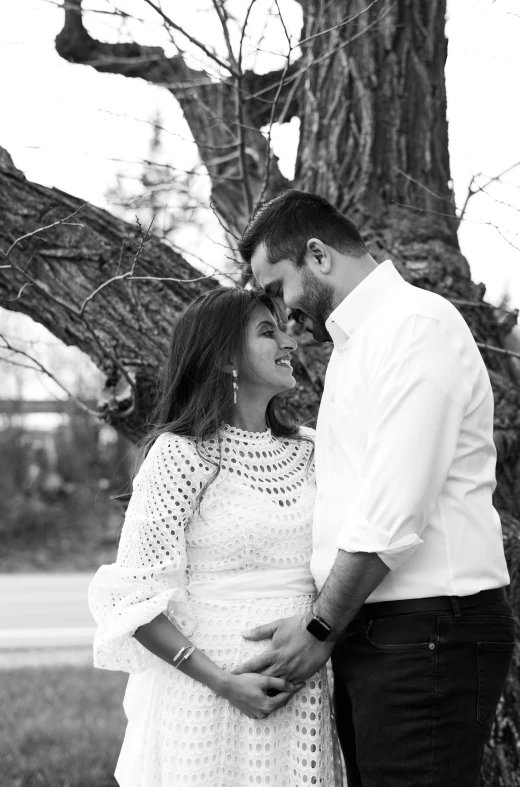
(271, 583)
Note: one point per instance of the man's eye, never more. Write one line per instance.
(297, 316)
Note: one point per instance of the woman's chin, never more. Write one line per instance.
(287, 386)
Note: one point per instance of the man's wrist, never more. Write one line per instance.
(319, 628)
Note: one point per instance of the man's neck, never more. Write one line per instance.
(353, 271)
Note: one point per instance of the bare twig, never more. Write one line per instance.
(273, 110)
(227, 146)
(330, 53)
(344, 44)
(121, 276)
(44, 229)
(117, 363)
(243, 33)
(22, 288)
(343, 22)
(422, 186)
(239, 108)
(44, 291)
(219, 7)
(39, 367)
(226, 229)
(482, 305)
(169, 278)
(190, 38)
(472, 191)
(456, 218)
(499, 350)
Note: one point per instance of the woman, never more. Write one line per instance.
(217, 538)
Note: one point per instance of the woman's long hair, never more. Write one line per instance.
(197, 394)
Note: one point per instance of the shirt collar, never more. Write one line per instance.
(362, 302)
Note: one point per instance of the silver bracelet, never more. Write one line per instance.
(188, 653)
(181, 651)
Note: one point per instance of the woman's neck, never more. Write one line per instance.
(249, 416)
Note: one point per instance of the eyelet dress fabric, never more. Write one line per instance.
(243, 560)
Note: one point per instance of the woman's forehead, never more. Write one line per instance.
(262, 313)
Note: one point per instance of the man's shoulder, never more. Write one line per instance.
(414, 302)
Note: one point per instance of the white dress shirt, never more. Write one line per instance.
(405, 459)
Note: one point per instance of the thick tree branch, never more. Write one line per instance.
(125, 327)
(224, 116)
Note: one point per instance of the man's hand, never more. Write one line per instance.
(293, 654)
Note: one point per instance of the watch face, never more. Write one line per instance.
(318, 630)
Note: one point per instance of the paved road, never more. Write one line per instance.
(45, 610)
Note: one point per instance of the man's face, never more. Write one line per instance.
(308, 299)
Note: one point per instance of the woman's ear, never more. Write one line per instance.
(228, 367)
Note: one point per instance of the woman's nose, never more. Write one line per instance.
(288, 342)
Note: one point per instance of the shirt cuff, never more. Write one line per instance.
(367, 538)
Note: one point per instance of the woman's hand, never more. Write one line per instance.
(252, 693)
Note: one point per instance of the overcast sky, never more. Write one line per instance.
(69, 126)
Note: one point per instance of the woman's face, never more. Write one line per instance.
(266, 362)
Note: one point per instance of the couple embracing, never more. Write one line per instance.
(254, 550)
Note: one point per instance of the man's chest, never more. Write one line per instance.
(345, 408)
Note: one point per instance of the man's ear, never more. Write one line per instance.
(318, 256)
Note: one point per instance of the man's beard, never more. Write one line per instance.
(317, 304)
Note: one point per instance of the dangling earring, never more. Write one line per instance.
(235, 386)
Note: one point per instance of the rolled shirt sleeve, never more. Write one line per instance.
(149, 575)
(418, 392)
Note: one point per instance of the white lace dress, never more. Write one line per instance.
(243, 561)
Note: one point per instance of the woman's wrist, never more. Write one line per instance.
(222, 682)
(201, 668)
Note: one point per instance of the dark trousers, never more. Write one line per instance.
(415, 694)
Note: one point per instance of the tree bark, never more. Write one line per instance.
(125, 328)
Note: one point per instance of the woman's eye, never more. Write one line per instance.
(268, 333)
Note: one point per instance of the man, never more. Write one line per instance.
(407, 547)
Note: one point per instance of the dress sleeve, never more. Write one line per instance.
(149, 575)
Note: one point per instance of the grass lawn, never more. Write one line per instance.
(60, 726)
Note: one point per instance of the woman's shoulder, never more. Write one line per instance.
(169, 444)
(170, 449)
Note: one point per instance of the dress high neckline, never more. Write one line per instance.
(242, 434)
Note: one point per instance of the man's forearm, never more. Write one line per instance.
(352, 579)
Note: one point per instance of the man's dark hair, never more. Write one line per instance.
(287, 222)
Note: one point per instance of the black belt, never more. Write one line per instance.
(381, 609)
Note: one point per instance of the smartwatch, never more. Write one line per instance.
(319, 629)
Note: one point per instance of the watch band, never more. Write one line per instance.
(319, 629)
